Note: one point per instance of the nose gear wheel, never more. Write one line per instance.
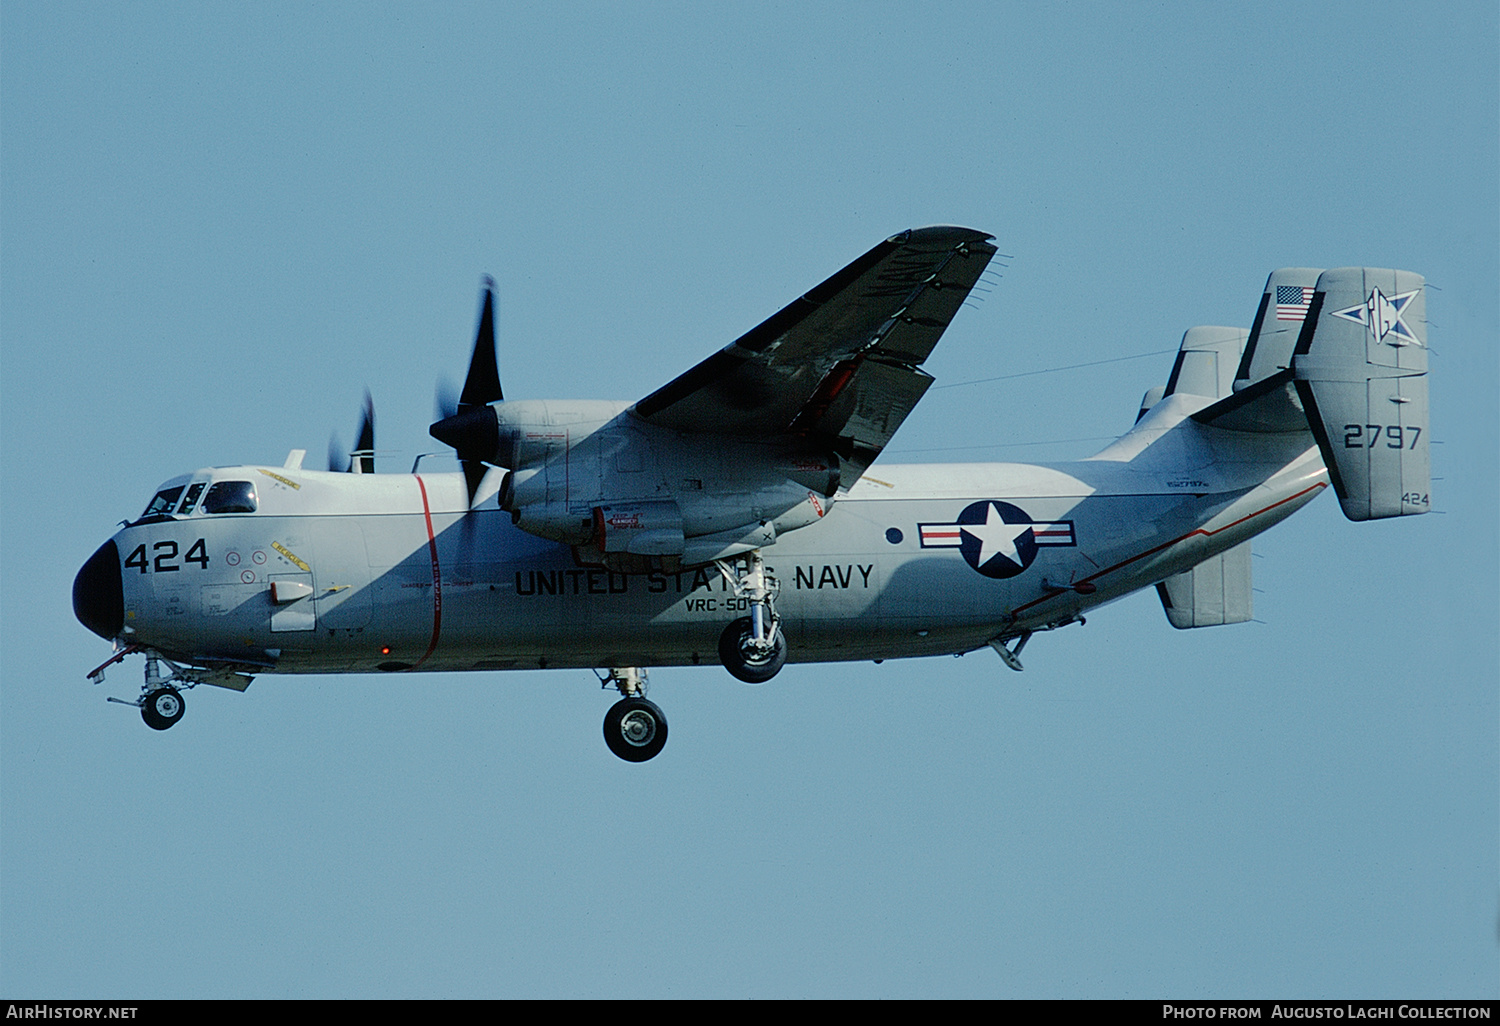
(635, 729)
(162, 708)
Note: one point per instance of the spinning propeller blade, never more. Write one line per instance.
(482, 386)
(469, 426)
(341, 462)
(364, 448)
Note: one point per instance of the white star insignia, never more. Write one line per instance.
(1381, 315)
(996, 537)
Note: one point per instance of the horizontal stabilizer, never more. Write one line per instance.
(1269, 405)
(1213, 593)
(1360, 370)
(1264, 399)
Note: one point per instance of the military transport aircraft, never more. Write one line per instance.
(733, 515)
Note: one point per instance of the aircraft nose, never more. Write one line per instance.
(98, 595)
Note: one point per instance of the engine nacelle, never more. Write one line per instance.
(534, 431)
(608, 495)
(524, 495)
(650, 528)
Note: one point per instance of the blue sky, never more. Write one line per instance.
(219, 223)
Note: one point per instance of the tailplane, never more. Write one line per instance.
(1264, 399)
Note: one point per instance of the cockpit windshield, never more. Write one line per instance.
(164, 502)
(191, 498)
(230, 497)
(220, 497)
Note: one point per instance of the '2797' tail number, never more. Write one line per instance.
(1395, 436)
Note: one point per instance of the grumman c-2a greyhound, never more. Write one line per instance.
(733, 516)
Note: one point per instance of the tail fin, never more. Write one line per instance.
(1264, 399)
(1215, 592)
(1204, 366)
(1206, 361)
(1283, 311)
(1360, 370)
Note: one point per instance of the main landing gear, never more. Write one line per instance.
(634, 729)
(752, 648)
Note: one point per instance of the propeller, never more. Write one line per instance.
(444, 399)
(341, 462)
(469, 425)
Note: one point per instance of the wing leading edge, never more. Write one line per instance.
(838, 368)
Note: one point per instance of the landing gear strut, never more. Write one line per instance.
(753, 648)
(161, 703)
(634, 729)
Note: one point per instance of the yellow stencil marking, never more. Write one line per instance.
(284, 480)
(289, 555)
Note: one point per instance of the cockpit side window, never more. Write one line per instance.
(163, 503)
(230, 497)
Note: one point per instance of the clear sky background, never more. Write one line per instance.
(219, 223)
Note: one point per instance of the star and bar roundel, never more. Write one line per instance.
(996, 538)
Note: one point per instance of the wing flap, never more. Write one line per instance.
(866, 414)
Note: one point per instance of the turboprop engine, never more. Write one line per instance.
(594, 475)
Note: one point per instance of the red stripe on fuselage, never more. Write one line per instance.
(437, 578)
(1167, 545)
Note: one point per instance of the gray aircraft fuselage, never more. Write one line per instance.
(337, 573)
(739, 515)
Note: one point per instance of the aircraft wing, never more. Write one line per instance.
(839, 367)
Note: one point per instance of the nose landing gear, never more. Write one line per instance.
(634, 729)
(161, 702)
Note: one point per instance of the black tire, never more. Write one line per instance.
(162, 708)
(741, 661)
(635, 729)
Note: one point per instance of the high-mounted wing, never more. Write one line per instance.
(838, 367)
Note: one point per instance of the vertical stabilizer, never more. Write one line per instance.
(1278, 321)
(1206, 361)
(1360, 369)
(1215, 592)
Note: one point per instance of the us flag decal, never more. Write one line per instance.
(1292, 302)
